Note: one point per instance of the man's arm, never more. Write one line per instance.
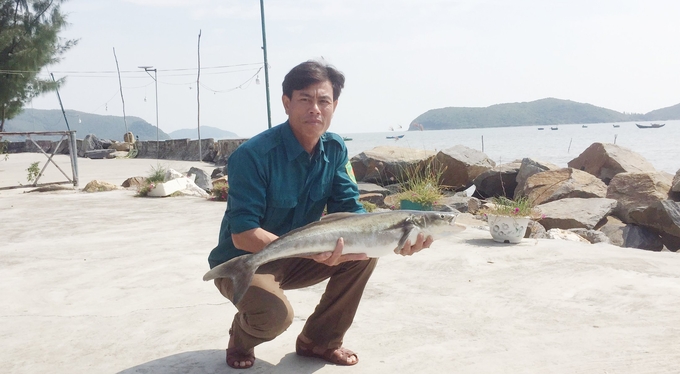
(253, 240)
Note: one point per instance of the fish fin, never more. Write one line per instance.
(407, 232)
(239, 270)
(335, 216)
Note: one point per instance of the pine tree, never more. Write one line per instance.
(29, 41)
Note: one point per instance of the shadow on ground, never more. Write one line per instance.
(213, 361)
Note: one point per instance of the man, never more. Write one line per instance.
(280, 180)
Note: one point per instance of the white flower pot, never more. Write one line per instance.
(506, 229)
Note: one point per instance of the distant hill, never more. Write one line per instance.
(104, 127)
(206, 133)
(542, 112)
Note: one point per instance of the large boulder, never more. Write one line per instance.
(675, 188)
(462, 165)
(389, 164)
(528, 168)
(90, 143)
(202, 179)
(501, 180)
(637, 191)
(663, 217)
(614, 229)
(563, 183)
(574, 213)
(605, 160)
(642, 238)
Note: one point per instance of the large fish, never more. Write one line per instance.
(375, 234)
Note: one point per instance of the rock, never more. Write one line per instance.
(117, 154)
(128, 137)
(662, 216)
(614, 229)
(375, 198)
(605, 160)
(527, 168)
(134, 182)
(535, 231)
(457, 201)
(571, 213)
(637, 191)
(89, 143)
(182, 185)
(171, 174)
(474, 205)
(99, 186)
(462, 165)
(366, 188)
(563, 183)
(565, 235)
(641, 238)
(218, 172)
(99, 154)
(123, 147)
(501, 180)
(593, 236)
(388, 164)
(674, 194)
(202, 179)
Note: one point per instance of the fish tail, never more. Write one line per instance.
(239, 270)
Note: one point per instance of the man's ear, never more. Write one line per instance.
(286, 102)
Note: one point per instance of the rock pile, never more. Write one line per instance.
(608, 193)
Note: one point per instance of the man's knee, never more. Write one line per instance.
(268, 321)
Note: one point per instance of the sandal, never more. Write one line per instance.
(337, 356)
(237, 355)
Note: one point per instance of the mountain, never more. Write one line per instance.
(206, 133)
(104, 127)
(542, 112)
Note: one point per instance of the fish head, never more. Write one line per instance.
(437, 222)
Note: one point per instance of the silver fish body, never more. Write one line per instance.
(375, 234)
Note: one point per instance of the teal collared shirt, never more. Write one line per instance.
(275, 185)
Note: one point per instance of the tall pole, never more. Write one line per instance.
(147, 69)
(198, 98)
(266, 64)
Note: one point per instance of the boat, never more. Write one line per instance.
(540, 128)
(395, 136)
(615, 125)
(584, 126)
(554, 128)
(346, 138)
(650, 126)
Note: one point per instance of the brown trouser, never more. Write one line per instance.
(264, 311)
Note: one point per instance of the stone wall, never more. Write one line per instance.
(176, 149)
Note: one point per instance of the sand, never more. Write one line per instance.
(111, 283)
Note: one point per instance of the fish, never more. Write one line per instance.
(375, 234)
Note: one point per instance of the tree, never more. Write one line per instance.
(29, 41)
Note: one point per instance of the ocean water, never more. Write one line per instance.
(661, 147)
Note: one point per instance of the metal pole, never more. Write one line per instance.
(198, 99)
(158, 150)
(60, 104)
(266, 64)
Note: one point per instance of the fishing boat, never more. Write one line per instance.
(346, 138)
(554, 128)
(584, 126)
(395, 136)
(615, 125)
(540, 128)
(650, 126)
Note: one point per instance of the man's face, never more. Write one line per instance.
(310, 111)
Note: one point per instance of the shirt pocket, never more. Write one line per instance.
(320, 191)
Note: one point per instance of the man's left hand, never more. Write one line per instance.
(419, 245)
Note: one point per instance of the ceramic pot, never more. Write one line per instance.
(506, 229)
(410, 205)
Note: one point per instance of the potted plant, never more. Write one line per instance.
(508, 219)
(420, 188)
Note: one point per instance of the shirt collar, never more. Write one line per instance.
(293, 147)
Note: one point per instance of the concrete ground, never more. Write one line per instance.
(111, 283)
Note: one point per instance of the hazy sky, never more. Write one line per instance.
(400, 57)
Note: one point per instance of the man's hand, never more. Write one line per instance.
(336, 257)
(420, 244)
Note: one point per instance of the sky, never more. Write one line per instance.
(401, 58)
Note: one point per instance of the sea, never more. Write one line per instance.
(660, 146)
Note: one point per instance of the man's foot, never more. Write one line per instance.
(237, 358)
(338, 356)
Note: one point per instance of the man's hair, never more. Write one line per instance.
(311, 72)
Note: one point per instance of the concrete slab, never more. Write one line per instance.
(111, 283)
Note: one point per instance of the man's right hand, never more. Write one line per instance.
(336, 257)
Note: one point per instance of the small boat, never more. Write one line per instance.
(554, 128)
(540, 128)
(396, 137)
(615, 125)
(650, 126)
(346, 138)
(584, 126)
